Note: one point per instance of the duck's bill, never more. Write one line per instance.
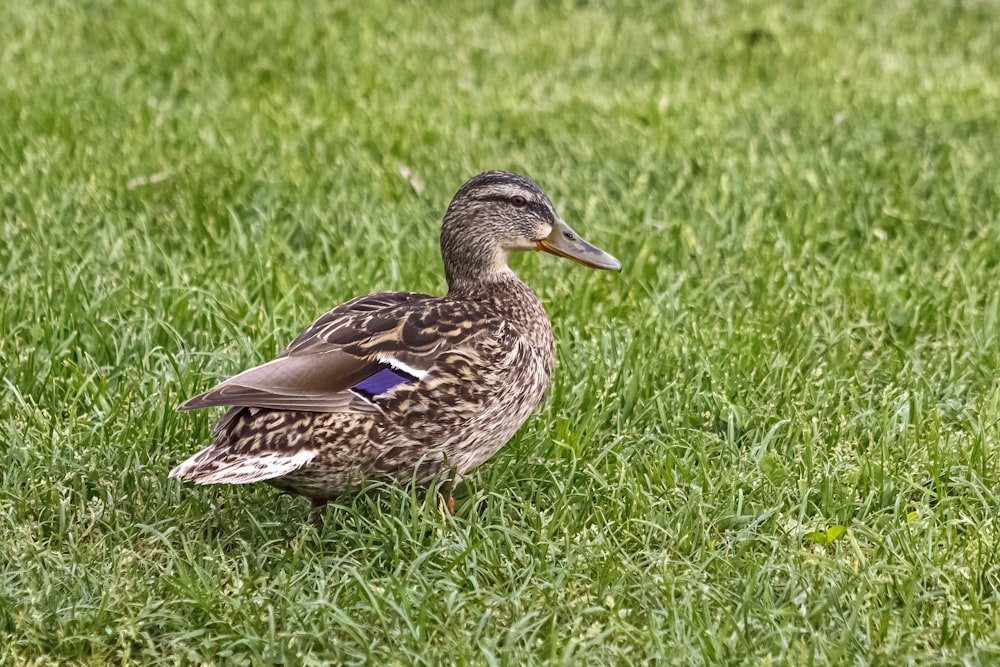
(564, 242)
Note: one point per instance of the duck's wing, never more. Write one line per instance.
(353, 353)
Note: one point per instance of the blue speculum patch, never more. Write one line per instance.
(382, 381)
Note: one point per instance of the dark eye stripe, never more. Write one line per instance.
(497, 198)
(537, 208)
(542, 212)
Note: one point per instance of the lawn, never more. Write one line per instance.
(774, 438)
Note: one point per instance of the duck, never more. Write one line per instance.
(404, 387)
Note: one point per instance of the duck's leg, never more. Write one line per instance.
(318, 510)
(444, 493)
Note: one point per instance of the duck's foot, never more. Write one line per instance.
(318, 511)
(446, 500)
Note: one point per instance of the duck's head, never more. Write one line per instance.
(497, 213)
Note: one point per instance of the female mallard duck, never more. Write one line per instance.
(399, 385)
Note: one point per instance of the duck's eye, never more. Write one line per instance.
(518, 201)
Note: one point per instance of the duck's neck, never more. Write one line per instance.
(511, 299)
(472, 286)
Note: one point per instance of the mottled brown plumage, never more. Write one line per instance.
(403, 386)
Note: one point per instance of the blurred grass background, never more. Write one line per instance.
(805, 198)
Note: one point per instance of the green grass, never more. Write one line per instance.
(806, 198)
